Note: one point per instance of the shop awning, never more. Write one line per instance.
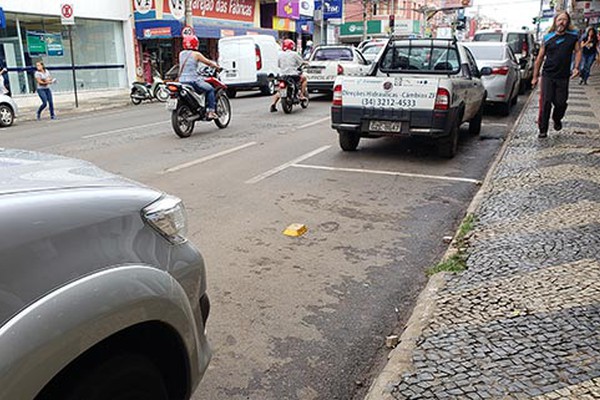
(166, 29)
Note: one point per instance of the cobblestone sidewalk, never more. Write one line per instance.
(524, 320)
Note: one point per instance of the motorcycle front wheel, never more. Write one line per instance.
(223, 111)
(180, 120)
(161, 93)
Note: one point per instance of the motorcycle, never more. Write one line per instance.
(289, 90)
(141, 91)
(188, 106)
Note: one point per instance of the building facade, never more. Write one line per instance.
(102, 44)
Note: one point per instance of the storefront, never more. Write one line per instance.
(159, 24)
(99, 45)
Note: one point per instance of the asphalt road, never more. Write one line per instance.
(291, 318)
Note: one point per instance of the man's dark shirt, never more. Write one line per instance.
(559, 51)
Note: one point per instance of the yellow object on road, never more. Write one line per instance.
(295, 230)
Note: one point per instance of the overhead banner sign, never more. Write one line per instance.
(288, 9)
(330, 8)
(307, 8)
(233, 10)
(456, 3)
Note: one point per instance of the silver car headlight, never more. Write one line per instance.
(168, 217)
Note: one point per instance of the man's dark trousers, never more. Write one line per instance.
(553, 92)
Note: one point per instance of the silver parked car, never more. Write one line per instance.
(101, 295)
(502, 79)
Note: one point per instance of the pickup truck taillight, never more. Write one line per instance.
(500, 71)
(258, 57)
(442, 100)
(340, 70)
(337, 95)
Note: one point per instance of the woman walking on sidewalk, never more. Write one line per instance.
(556, 53)
(44, 80)
(589, 51)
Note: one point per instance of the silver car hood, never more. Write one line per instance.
(25, 171)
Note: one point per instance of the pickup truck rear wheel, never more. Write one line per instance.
(123, 377)
(448, 146)
(349, 140)
(475, 123)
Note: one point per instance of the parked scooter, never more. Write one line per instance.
(141, 91)
(188, 106)
(289, 91)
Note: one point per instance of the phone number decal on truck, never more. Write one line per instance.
(388, 102)
(389, 93)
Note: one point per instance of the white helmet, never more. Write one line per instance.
(309, 43)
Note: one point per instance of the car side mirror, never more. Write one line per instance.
(485, 71)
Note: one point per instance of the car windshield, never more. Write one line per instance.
(487, 53)
(372, 50)
(488, 37)
(339, 54)
(420, 58)
(516, 41)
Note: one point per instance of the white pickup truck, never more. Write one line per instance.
(419, 87)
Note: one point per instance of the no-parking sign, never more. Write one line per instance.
(67, 16)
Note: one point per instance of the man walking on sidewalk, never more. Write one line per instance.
(556, 53)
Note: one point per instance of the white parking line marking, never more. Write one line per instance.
(276, 170)
(392, 173)
(317, 122)
(503, 125)
(124, 130)
(207, 158)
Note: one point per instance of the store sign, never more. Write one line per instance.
(233, 10)
(288, 9)
(143, 6)
(304, 26)
(456, 3)
(284, 24)
(177, 8)
(54, 44)
(36, 45)
(162, 32)
(357, 28)
(307, 8)
(406, 26)
(330, 8)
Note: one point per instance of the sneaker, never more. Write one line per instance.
(557, 125)
(273, 108)
(542, 135)
(53, 117)
(38, 116)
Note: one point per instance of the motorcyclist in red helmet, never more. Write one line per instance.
(189, 58)
(289, 61)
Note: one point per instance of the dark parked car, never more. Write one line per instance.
(101, 295)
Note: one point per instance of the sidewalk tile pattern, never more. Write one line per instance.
(524, 320)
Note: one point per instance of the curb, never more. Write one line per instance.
(29, 115)
(400, 358)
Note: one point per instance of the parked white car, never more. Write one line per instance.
(503, 83)
(8, 111)
(327, 62)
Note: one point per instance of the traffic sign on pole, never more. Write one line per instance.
(67, 16)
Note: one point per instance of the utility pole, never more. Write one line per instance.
(188, 13)
(364, 35)
(537, 30)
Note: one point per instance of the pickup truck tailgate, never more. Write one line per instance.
(368, 102)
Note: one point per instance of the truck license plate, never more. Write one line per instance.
(171, 104)
(385, 126)
(314, 70)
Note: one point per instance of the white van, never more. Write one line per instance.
(250, 63)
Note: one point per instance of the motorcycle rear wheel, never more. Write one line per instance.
(135, 100)
(223, 111)
(288, 102)
(180, 120)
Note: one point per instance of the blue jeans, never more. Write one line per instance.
(46, 96)
(586, 65)
(203, 87)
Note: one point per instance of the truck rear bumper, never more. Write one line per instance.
(413, 122)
